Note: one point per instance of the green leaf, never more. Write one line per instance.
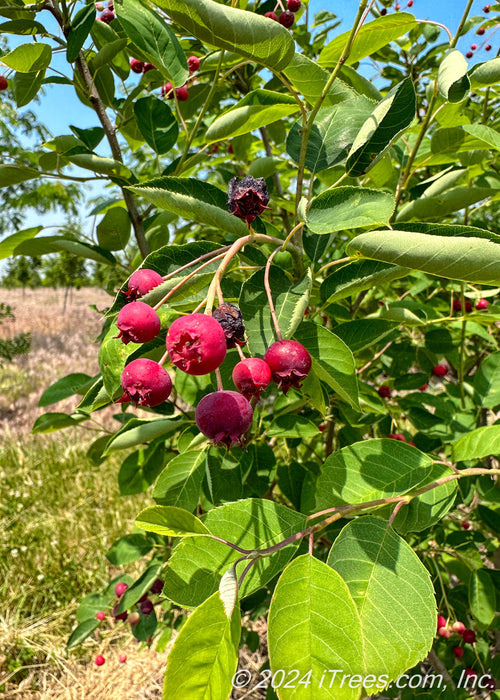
(180, 482)
(290, 303)
(27, 85)
(128, 549)
(388, 120)
(477, 444)
(443, 204)
(29, 58)
(79, 31)
(194, 200)
(458, 257)
(333, 362)
(76, 383)
(155, 38)
(246, 33)
(98, 164)
(256, 109)
(50, 422)
(10, 243)
(202, 662)
(197, 564)
(138, 431)
(81, 633)
(135, 592)
(113, 231)
(91, 604)
(362, 333)
(368, 471)
(91, 137)
(51, 244)
(107, 54)
(22, 26)
(347, 208)
(14, 174)
(482, 597)
(103, 35)
(314, 626)
(453, 81)
(485, 74)
(292, 426)
(332, 134)
(392, 591)
(370, 38)
(484, 133)
(156, 123)
(487, 382)
(353, 278)
(171, 522)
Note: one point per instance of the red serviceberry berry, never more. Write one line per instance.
(294, 5)
(99, 660)
(224, 416)
(122, 658)
(251, 377)
(99, 6)
(141, 282)
(466, 525)
(272, 15)
(440, 370)
(230, 149)
(409, 3)
(397, 7)
(321, 427)
(157, 586)
(481, 31)
(119, 616)
(107, 16)
(247, 198)
(468, 307)
(487, 47)
(100, 615)
(286, 19)
(133, 618)
(469, 636)
(111, 6)
(473, 47)
(482, 304)
(147, 607)
(470, 673)
(3, 83)
(148, 67)
(136, 66)
(441, 622)
(469, 54)
(289, 362)
(490, 683)
(145, 383)
(182, 93)
(458, 652)
(196, 344)
(486, 8)
(120, 588)
(444, 632)
(458, 627)
(423, 387)
(383, 11)
(230, 318)
(457, 305)
(397, 436)
(138, 323)
(193, 64)
(167, 91)
(384, 391)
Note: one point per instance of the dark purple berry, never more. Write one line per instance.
(294, 5)
(136, 66)
(224, 416)
(147, 607)
(289, 362)
(157, 586)
(286, 19)
(272, 15)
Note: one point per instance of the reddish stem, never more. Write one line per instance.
(267, 287)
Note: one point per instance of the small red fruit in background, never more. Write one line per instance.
(148, 67)
(290, 363)
(294, 5)
(458, 627)
(321, 427)
(286, 19)
(481, 31)
(444, 632)
(423, 387)
(441, 622)
(383, 12)
(474, 47)
(182, 93)
(196, 344)
(384, 391)
(272, 15)
(3, 83)
(469, 636)
(397, 7)
(157, 586)
(482, 304)
(457, 305)
(99, 660)
(122, 658)
(251, 377)
(458, 652)
(469, 54)
(466, 525)
(136, 66)
(397, 436)
(100, 615)
(145, 383)
(193, 64)
(470, 672)
(120, 588)
(133, 618)
(147, 607)
(119, 616)
(487, 48)
(141, 282)
(138, 323)
(167, 91)
(224, 416)
(440, 370)
(107, 16)
(409, 3)
(230, 149)
(486, 8)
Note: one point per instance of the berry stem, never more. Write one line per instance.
(375, 358)
(334, 262)
(396, 511)
(220, 386)
(246, 570)
(185, 279)
(193, 262)
(240, 352)
(267, 287)
(437, 24)
(164, 358)
(279, 4)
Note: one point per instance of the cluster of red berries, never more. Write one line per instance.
(3, 83)
(287, 17)
(197, 344)
(137, 66)
(481, 305)
(400, 437)
(445, 631)
(107, 14)
(397, 7)
(181, 93)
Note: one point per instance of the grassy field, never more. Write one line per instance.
(59, 513)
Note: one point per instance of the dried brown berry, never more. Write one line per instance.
(247, 198)
(230, 318)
